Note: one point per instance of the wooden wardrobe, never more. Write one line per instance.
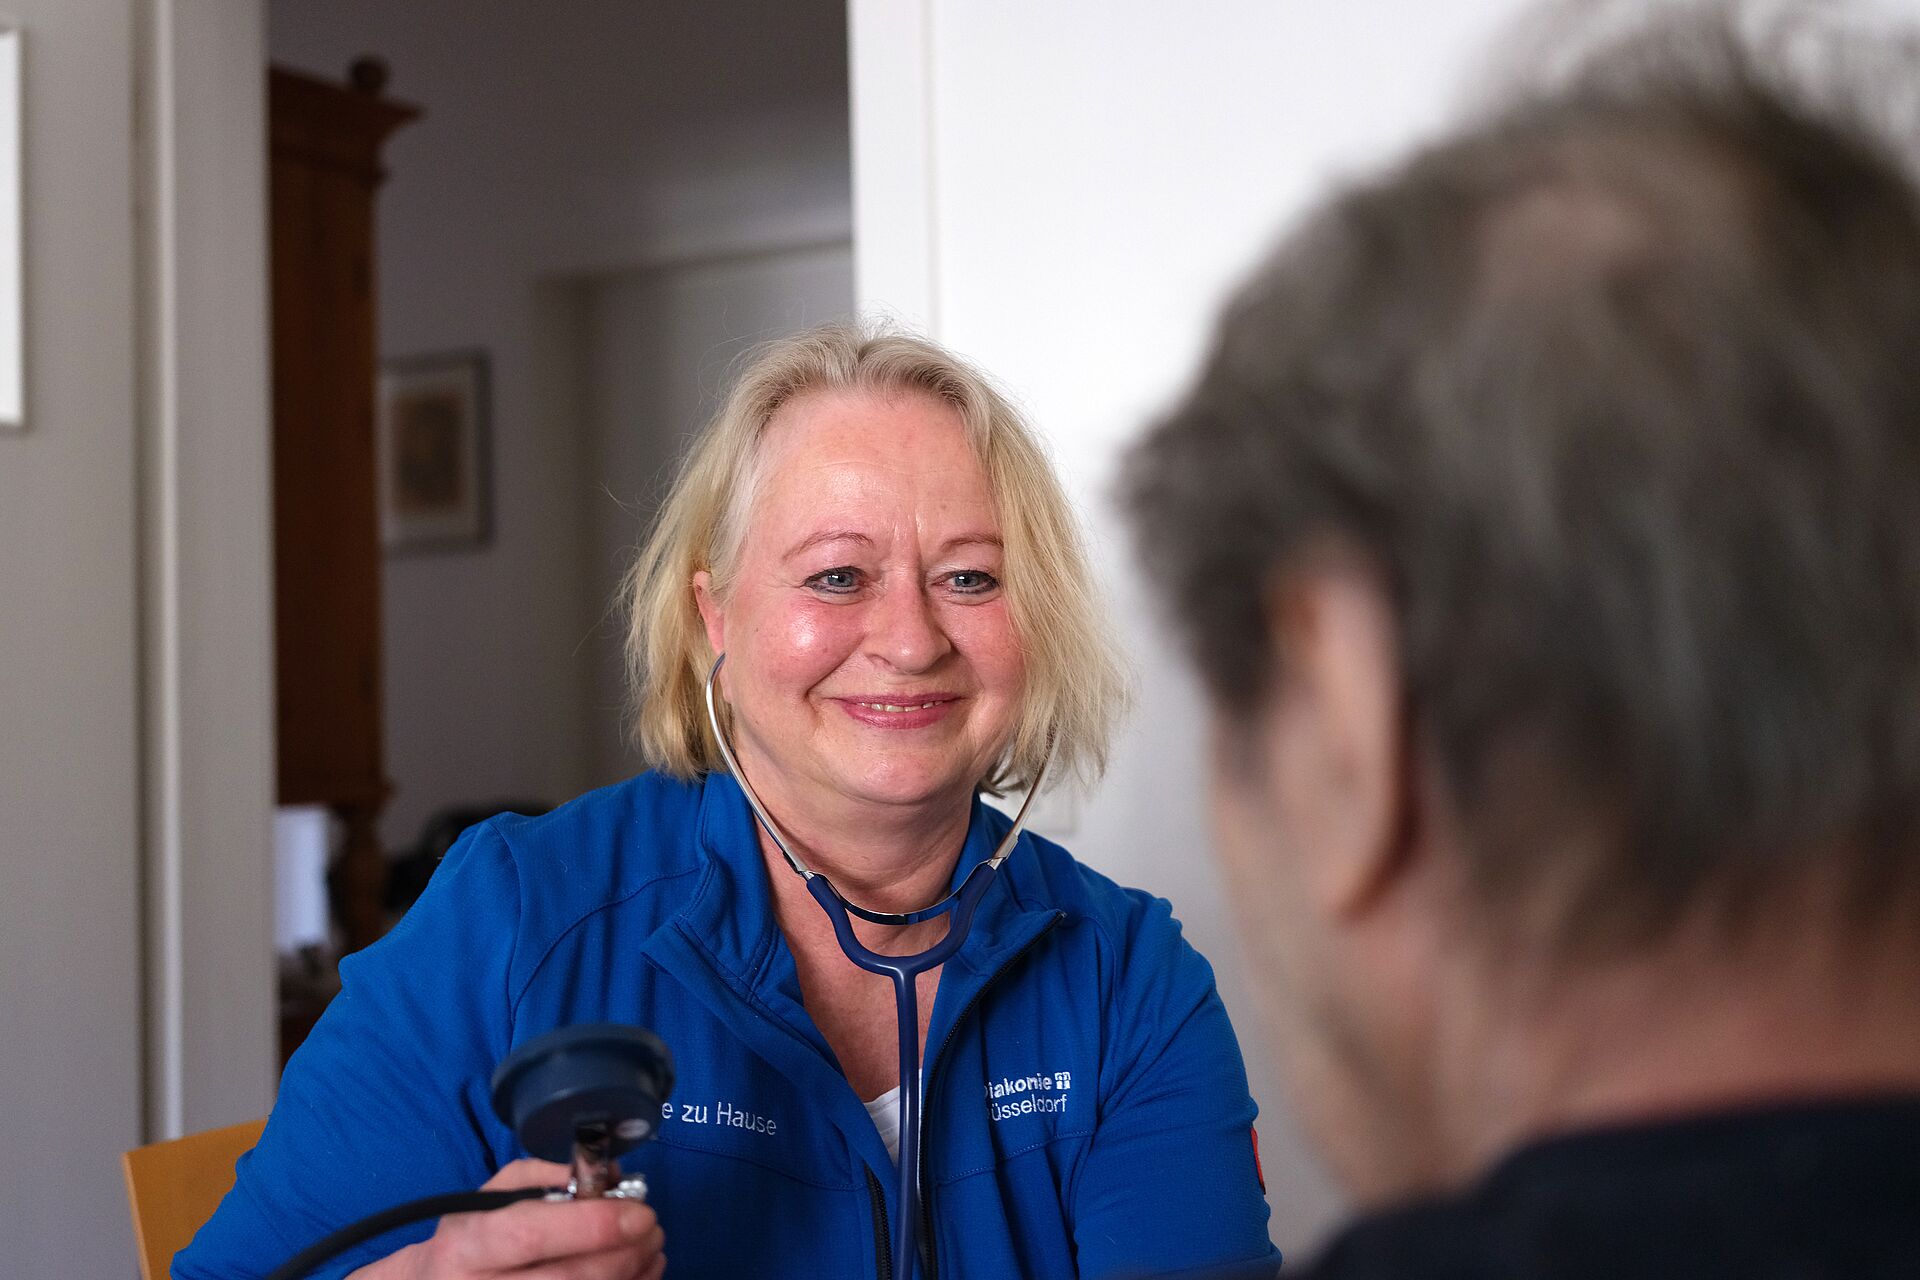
(325, 142)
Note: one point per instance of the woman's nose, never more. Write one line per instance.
(906, 632)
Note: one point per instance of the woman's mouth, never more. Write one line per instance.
(898, 711)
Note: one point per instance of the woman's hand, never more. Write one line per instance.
(535, 1240)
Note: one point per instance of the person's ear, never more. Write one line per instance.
(710, 612)
(1338, 734)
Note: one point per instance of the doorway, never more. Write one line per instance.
(598, 208)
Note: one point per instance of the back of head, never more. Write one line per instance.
(1620, 390)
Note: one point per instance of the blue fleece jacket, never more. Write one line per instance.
(1087, 1110)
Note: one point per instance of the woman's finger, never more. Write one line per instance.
(530, 1233)
(621, 1264)
(528, 1173)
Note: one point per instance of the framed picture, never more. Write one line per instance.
(434, 472)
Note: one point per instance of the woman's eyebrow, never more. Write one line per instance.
(813, 540)
(826, 536)
(971, 540)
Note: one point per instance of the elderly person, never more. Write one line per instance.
(874, 541)
(1546, 525)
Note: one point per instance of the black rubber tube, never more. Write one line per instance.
(399, 1216)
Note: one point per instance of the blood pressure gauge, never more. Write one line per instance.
(582, 1096)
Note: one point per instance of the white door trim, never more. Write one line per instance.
(206, 549)
(895, 233)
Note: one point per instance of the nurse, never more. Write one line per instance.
(876, 542)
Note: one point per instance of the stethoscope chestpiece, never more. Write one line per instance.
(584, 1095)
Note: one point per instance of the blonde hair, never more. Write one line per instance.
(1075, 684)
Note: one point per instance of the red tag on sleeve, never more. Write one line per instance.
(1258, 1172)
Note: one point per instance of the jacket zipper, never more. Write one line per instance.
(927, 1251)
(882, 1246)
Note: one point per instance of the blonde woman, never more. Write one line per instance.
(875, 542)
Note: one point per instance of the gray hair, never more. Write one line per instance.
(1619, 388)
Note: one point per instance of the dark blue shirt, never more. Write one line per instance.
(1812, 1192)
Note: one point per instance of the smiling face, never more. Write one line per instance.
(871, 655)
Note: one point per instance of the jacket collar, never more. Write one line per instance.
(732, 910)
(727, 948)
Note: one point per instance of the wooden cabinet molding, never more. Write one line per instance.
(325, 143)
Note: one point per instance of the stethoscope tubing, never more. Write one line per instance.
(904, 971)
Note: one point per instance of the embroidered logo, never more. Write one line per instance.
(724, 1114)
(1042, 1093)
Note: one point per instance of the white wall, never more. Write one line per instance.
(558, 141)
(135, 978)
(69, 700)
(1062, 191)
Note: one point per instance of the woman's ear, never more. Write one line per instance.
(710, 612)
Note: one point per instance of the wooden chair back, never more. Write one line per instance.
(174, 1187)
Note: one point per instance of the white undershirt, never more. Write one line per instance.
(885, 1111)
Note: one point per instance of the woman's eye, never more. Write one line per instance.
(972, 582)
(835, 581)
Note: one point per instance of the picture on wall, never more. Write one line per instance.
(433, 462)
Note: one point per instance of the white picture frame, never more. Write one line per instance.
(13, 364)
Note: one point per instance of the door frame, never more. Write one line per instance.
(204, 429)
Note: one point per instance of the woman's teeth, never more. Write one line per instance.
(894, 706)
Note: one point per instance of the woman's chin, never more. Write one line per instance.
(907, 788)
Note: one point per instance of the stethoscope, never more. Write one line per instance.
(904, 970)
